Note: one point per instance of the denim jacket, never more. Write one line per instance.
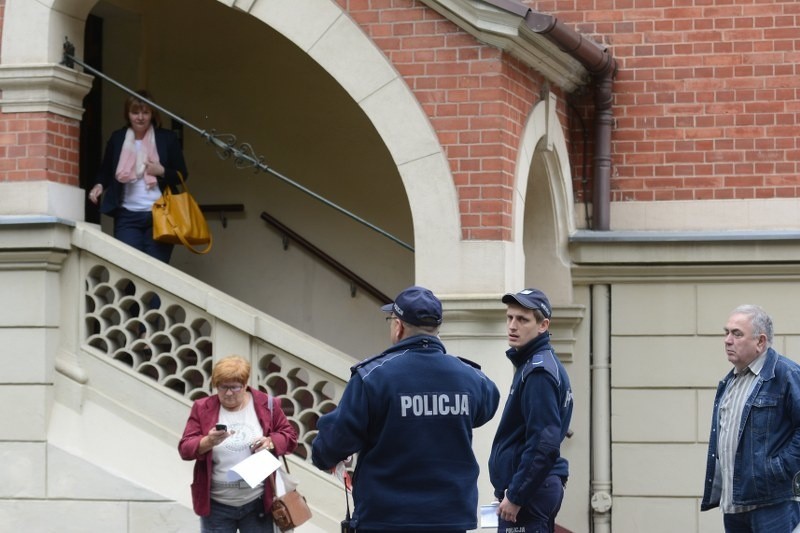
(768, 453)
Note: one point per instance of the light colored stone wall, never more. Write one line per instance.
(86, 439)
(29, 320)
(667, 358)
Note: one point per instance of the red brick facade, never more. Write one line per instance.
(707, 102)
(477, 98)
(707, 99)
(39, 146)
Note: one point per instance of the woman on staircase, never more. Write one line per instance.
(141, 159)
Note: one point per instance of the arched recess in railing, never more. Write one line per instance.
(172, 345)
(163, 342)
(305, 394)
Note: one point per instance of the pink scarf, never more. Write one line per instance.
(131, 163)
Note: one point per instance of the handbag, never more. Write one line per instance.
(177, 219)
(290, 509)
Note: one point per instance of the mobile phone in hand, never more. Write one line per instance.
(221, 427)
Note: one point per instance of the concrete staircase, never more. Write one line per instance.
(91, 441)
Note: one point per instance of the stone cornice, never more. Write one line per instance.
(483, 317)
(507, 30)
(43, 88)
(34, 243)
(618, 257)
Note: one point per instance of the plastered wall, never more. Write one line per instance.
(667, 358)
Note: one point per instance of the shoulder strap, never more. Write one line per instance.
(540, 362)
(168, 192)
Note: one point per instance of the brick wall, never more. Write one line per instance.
(38, 146)
(707, 99)
(476, 96)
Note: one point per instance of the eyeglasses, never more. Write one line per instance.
(388, 318)
(230, 388)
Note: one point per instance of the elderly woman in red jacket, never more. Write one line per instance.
(253, 421)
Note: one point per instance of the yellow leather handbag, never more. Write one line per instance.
(177, 219)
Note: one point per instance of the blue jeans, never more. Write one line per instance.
(538, 516)
(777, 518)
(135, 228)
(249, 518)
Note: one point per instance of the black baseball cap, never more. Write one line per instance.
(531, 299)
(417, 306)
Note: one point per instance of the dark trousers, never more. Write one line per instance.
(249, 518)
(539, 515)
(135, 228)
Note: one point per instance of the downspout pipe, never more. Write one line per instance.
(603, 67)
(601, 501)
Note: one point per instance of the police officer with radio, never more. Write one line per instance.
(409, 413)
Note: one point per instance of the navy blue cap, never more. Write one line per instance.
(417, 306)
(531, 299)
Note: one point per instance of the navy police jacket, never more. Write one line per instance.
(409, 413)
(527, 445)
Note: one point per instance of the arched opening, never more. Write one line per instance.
(543, 211)
(232, 72)
(547, 263)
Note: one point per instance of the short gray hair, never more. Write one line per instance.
(761, 321)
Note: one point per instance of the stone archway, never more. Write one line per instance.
(543, 204)
(33, 35)
(339, 46)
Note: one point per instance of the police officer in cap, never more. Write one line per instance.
(409, 413)
(525, 465)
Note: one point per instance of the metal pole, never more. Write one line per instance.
(244, 155)
(600, 485)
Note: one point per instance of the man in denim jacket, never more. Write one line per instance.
(754, 448)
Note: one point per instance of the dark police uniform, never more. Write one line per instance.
(409, 412)
(526, 459)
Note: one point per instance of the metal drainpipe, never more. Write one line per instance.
(602, 66)
(601, 500)
(599, 62)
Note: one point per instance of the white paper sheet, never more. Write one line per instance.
(255, 468)
(489, 515)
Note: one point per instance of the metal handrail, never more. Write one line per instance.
(355, 279)
(244, 155)
(222, 209)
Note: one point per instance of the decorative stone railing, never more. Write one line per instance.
(172, 341)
